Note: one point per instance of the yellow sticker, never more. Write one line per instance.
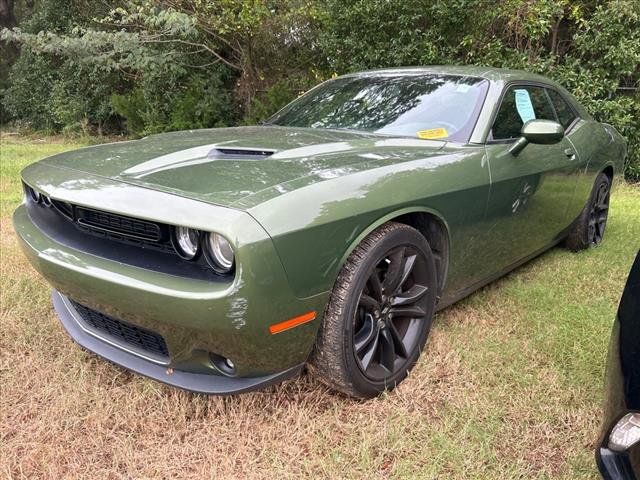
(433, 133)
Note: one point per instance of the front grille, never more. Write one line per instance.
(117, 237)
(166, 246)
(118, 224)
(64, 208)
(123, 333)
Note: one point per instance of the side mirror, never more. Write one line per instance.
(542, 132)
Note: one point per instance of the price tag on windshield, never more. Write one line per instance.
(433, 133)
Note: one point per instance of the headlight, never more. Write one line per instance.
(35, 195)
(219, 253)
(186, 242)
(626, 433)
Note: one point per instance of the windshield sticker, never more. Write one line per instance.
(524, 105)
(433, 133)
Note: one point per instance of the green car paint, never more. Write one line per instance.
(294, 215)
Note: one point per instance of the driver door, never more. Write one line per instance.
(530, 192)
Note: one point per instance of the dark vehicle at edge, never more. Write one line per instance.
(618, 452)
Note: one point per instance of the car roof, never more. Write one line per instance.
(490, 73)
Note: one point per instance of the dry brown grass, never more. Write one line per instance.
(509, 388)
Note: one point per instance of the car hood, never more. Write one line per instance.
(229, 166)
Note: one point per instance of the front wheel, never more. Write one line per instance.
(379, 314)
(588, 229)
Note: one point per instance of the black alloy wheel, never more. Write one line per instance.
(379, 314)
(599, 213)
(588, 229)
(391, 312)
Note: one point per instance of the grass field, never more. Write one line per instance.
(510, 386)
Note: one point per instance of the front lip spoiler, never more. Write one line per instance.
(194, 382)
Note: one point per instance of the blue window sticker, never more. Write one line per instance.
(524, 105)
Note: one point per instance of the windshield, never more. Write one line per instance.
(423, 106)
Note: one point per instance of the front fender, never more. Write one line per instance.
(316, 227)
(392, 216)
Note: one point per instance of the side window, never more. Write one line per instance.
(519, 105)
(565, 113)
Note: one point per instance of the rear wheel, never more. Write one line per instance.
(379, 314)
(588, 229)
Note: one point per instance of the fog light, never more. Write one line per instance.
(186, 242)
(223, 364)
(626, 433)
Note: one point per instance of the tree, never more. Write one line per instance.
(168, 64)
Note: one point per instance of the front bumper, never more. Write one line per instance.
(195, 382)
(194, 316)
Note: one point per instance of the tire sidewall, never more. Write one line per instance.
(578, 237)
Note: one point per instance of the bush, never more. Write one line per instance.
(52, 94)
(169, 102)
(271, 100)
(28, 96)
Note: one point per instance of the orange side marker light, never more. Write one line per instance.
(292, 322)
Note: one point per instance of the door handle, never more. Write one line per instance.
(569, 152)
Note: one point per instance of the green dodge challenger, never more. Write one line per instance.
(224, 260)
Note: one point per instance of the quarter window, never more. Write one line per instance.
(519, 105)
(565, 113)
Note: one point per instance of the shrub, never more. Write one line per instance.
(162, 103)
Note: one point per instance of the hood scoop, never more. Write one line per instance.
(195, 156)
(223, 153)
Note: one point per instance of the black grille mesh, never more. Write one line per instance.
(118, 224)
(122, 332)
(64, 208)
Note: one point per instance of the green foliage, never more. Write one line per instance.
(203, 103)
(167, 102)
(28, 97)
(189, 64)
(592, 48)
(363, 34)
(53, 92)
(266, 103)
(606, 69)
(51, 95)
(184, 64)
(131, 106)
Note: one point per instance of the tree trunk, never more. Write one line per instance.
(7, 14)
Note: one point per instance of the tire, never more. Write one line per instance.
(373, 331)
(588, 229)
